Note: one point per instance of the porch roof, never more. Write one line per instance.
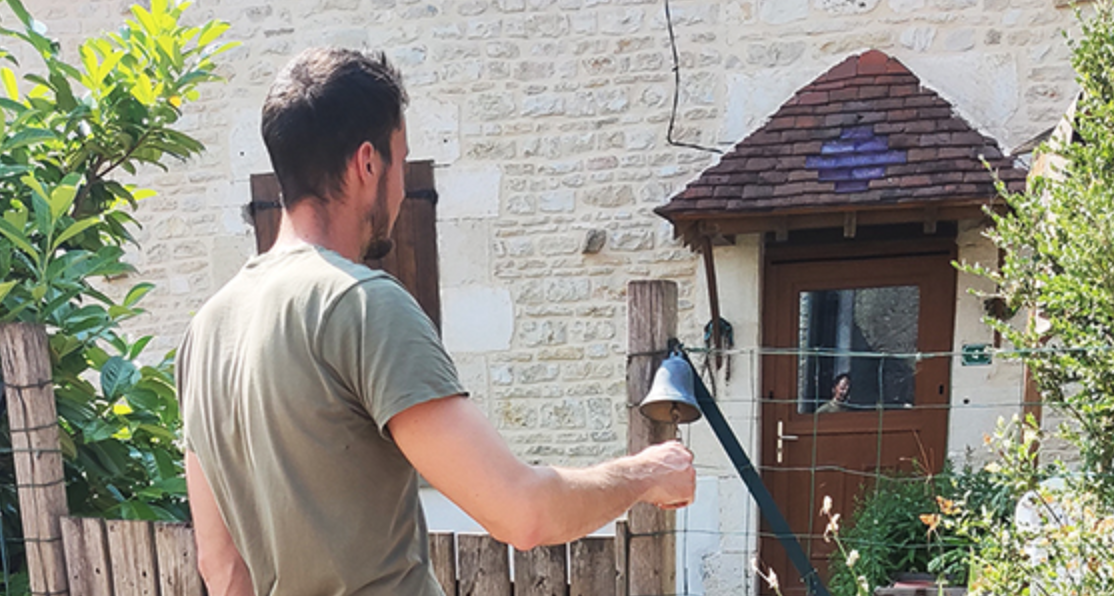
(865, 143)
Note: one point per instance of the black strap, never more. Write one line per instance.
(757, 488)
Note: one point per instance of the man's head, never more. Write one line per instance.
(323, 107)
(841, 387)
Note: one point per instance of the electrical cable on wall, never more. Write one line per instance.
(677, 90)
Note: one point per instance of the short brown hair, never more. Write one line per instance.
(323, 105)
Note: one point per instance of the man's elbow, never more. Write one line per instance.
(523, 534)
(526, 521)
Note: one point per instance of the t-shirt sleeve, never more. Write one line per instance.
(385, 349)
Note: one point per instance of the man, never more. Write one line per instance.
(841, 390)
(314, 387)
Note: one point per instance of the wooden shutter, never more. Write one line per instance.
(414, 258)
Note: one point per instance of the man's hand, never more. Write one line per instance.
(673, 479)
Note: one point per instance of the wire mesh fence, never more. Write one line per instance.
(979, 385)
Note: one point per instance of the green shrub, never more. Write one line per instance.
(65, 138)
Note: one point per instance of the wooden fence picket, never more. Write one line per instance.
(442, 555)
(87, 556)
(484, 566)
(592, 567)
(541, 571)
(132, 547)
(176, 554)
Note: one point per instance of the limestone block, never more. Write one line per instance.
(559, 245)
(567, 413)
(502, 374)
(464, 246)
(178, 284)
(491, 149)
(988, 95)
(567, 290)
(514, 415)
(477, 318)
(777, 53)
(542, 333)
(960, 40)
(502, 49)
(621, 21)
(608, 196)
(752, 97)
(779, 12)
(848, 6)
(901, 6)
(557, 201)
(588, 331)
(547, 104)
(468, 191)
(247, 154)
(536, 373)
(918, 39)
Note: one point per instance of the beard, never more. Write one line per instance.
(379, 245)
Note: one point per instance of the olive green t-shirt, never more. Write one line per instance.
(287, 378)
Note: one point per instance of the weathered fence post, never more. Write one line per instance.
(33, 421)
(651, 322)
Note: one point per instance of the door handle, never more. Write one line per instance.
(781, 439)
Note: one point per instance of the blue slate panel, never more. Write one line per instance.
(854, 160)
(874, 144)
(870, 173)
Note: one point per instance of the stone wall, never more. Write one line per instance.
(547, 121)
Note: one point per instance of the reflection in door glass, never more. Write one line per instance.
(837, 323)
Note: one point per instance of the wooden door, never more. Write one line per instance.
(414, 258)
(837, 310)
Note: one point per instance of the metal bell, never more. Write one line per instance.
(672, 397)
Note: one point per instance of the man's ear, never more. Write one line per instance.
(368, 161)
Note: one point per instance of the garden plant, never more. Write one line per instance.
(71, 132)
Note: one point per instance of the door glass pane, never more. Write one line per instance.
(835, 324)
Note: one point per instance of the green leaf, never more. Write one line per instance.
(138, 346)
(211, 31)
(73, 230)
(117, 375)
(11, 87)
(137, 293)
(17, 238)
(63, 195)
(7, 287)
(159, 432)
(9, 170)
(27, 137)
(143, 399)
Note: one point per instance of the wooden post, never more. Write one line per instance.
(651, 322)
(33, 421)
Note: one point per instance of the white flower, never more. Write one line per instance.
(852, 558)
(832, 529)
(772, 580)
(827, 508)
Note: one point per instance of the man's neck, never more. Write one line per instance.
(328, 225)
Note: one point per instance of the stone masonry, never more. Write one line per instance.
(547, 122)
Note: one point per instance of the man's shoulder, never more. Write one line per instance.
(312, 277)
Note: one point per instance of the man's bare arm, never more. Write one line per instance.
(221, 565)
(457, 450)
